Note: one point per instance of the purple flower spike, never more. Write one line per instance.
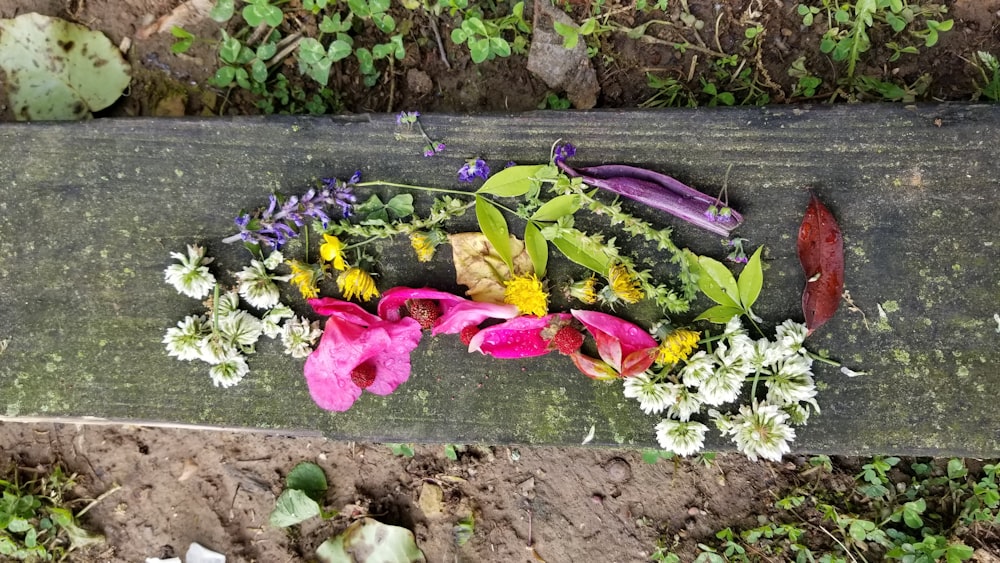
(659, 191)
(473, 169)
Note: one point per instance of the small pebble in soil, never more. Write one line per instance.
(619, 470)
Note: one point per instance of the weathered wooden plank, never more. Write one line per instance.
(90, 211)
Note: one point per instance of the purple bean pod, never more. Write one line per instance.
(658, 191)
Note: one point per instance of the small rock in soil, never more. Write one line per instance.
(418, 82)
(562, 69)
(431, 500)
(619, 470)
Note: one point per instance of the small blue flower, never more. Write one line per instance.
(712, 213)
(725, 215)
(563, 151)
(407, 118)
(473, 169)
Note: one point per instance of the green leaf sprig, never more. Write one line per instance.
(734, 297)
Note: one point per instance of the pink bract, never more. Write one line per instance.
(520, 337)
(456, 312)
(624, 346)
(592, 367)
(353, 337)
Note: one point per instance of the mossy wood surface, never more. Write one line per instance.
(89, 213)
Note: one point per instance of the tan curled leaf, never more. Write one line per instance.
(480, 268)
(185, 15)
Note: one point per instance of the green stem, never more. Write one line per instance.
(215, 311)
(358, 244)
(819, 358)
(411, 187)
(754, 323)
(430, 189)
(753, 388)
(305, 234)
(708, 339)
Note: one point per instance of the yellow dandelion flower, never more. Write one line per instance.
(585, 290)
(423, 246)
(623, 283)
(306, 277)
(527, 293)
(677, 346)
(333, 251)
(355, 282)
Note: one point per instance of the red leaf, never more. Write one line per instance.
(821, 251)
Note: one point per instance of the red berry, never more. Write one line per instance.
(424, 311)
(467, 334)
(568, 340)
(363, 375)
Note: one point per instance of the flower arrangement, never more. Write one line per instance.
(753, 390)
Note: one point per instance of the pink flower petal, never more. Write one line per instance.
(392, 366)
(593, 368)
(519, 337)
(638, 362)
(393, 299)
(350, 312)
(352, 337)
(616, 338)
(456, 312)
(468, 313)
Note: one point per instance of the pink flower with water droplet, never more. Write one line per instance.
(358, 351)
(456, 312)
(520, 337)
(626, 349)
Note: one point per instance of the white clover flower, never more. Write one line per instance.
(229, 303)
(791, 382)
(654, 397)
(761, 431)
(298, 335)
(240, 328)
(798, 414)
(271, 323)
(687, 404)
(735, 359)
(722, 387)
(682, 438)
(765, 354)
(724, 422)
(698, 368)
(230, 371)
(191, 277)
(215, 351)
(184, 340)
(274, 260)
(257, 286)
(741, 345)
(791, 334)
(734, 328)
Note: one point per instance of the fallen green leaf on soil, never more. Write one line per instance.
(368, 541)
(57, 70)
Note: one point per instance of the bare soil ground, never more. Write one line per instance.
(530, 504)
